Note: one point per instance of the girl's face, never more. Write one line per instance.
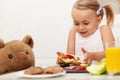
(85, 21)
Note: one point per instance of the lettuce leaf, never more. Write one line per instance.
(97, 69)
(66, 61)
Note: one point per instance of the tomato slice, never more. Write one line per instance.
(80, 67)
(70, 56)
(64, 57)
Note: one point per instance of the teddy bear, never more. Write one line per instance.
(16, 55)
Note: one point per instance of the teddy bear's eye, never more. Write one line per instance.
(10, 56)
(27, 53)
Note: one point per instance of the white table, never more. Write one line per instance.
(67, 76)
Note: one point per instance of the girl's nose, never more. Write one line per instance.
(80, 27)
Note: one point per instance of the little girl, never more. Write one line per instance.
(86, 38)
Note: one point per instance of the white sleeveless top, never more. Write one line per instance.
(92, 43)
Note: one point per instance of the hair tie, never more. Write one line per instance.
(98, 11)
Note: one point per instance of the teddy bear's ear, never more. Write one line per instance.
(28, 40)
(2, 44)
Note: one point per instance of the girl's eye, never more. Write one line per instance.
(10, 56)
(86, 23)
(76, 23)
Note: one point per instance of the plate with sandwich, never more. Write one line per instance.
(71, 63)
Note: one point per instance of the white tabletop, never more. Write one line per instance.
(67, 76)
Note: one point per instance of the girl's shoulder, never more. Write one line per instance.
(106, 33)
(104, 27)
(72, 31)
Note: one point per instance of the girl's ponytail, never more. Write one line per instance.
(109, 15)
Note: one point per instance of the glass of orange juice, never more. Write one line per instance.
(113, 57)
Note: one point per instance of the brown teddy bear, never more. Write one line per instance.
(16, 55)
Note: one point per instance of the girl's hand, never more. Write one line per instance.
(60, 53)
(87, 56)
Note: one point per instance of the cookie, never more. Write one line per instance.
(53, 69)
(34, 70)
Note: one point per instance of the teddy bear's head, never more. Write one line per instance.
(16, 55)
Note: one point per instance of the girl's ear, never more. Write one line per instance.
(99, 19)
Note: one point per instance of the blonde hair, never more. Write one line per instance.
(94, 5)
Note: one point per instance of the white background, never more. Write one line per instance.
(47, 21)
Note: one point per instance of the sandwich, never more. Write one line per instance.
(67, 59)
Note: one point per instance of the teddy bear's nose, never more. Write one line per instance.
(22, 54)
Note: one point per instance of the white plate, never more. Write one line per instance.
(40, 75)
